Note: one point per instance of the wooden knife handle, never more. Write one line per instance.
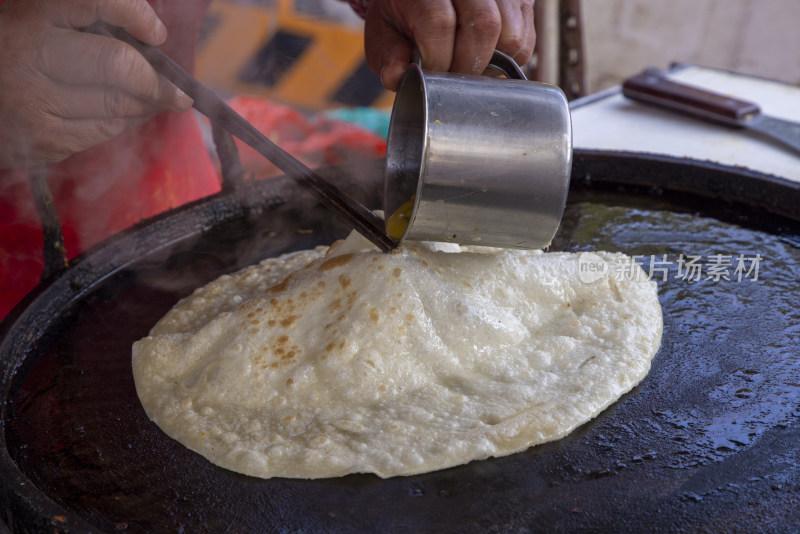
(653, 87)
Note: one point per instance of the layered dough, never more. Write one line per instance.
(323, 363)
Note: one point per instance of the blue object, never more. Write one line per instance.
(371, 119)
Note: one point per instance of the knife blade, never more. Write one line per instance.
(209, 104)
(654, 87)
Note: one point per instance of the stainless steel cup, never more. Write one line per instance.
(476, 159)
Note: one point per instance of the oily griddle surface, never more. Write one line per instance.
(709, 441)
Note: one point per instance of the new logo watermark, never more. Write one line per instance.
(591, 267)
(686, 267)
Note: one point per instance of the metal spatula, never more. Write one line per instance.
(209, 104)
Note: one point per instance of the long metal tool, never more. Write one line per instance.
(218, 112)
(653, 87)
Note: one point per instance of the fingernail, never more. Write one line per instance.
(383, 76)
(160, 32)
(389, 82)
(182, 100)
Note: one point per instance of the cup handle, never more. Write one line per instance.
(506, 64)
(500, 61)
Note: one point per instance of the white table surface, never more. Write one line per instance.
(609, 121)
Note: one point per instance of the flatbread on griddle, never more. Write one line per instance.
(312, 365)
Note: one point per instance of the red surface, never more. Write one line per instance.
(314, 141)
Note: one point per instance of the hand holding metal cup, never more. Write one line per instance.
(476, 159)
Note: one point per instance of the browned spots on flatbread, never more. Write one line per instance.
(399, 295)
(424, 263)
(288, 321)
(251, 315)
(285, 355)
(336, 305)
(568, 305)
(396, 272)
(279, 288)
(409, 317)
(335, 262)
(374, 315)
(288, 419)
(275, 303)
(345, 281)
(289, 381)
(255, 322)
(282, 340)
(272, 322)
(330, 347)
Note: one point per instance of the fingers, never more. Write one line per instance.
(135, 16)
(432, 27)
(98, 102)
(83, 59)
(451, 35)
(518, 34)
(64, 90)
(387, 50)
(60, 139)
(479, 25)
(394, 27)
(71, 136)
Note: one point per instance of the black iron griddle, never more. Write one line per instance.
(708, 442)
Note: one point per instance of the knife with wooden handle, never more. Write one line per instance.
(653, 87)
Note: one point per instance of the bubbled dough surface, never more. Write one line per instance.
(311, 366)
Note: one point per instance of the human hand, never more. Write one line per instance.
(451, 35)
(62, 90)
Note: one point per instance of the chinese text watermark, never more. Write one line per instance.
(686, 267)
